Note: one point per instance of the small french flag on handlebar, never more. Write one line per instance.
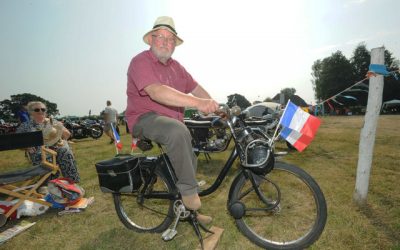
(298, 127)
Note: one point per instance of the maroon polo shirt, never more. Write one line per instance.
(146, 69)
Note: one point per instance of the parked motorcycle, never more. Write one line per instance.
(210, 136)
(84, 129)
(267, 125)
(7, 128)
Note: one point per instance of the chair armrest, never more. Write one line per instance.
(53, 165)
(50, 151)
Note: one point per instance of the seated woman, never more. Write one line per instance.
(38, 121)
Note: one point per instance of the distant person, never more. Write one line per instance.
(110, 118)
(159, 88)
(55, 140)
(23, 114)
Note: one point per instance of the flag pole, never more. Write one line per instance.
(133, 144)
(115, 140)
(280, 120)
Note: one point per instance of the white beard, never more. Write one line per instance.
(162, 55)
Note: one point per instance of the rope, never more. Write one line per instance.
(369, 75)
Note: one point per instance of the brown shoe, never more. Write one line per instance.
(191, 202)
(204, 219)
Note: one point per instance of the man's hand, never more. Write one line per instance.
(207, 105)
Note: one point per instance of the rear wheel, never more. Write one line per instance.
(149, 215)
(288, 213)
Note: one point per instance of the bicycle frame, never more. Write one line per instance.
(222, 174)
(168, 171)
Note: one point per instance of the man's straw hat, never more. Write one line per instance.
(167, 23)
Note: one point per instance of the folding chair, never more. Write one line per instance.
(22, 184)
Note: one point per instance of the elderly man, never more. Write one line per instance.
(158, 90)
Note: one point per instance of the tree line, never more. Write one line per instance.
(9, 107)
(335, 73)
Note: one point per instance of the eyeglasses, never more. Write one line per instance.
(161, 38)
(37, 110)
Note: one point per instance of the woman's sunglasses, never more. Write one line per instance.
(38, 110)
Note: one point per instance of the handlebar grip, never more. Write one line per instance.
(222, 114)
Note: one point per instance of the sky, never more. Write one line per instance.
(76, 53)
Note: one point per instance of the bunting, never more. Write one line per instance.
(360, 86)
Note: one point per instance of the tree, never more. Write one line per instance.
(335, 73)
(391, 89)
(288, 92)
(360, 61)
(238, 100)
(332, 75)
(316, 78)
(9, 108)
(268, 99)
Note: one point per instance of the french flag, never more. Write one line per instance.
(134, 143)
(117, 141)
(298, 126)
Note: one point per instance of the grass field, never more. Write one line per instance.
(331, 159)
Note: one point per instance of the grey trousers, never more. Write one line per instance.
(175, 136)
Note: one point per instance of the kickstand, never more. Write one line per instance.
(195, 223)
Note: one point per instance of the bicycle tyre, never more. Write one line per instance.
(153, 216)
(302, 211)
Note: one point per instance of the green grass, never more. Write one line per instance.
(331, 159)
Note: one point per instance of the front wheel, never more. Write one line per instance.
(152, 215)
(96, 131)
(289, 212)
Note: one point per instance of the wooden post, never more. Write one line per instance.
(367, 136)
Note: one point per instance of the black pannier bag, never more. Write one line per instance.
(120, 174)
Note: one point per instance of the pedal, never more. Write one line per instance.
(180, 212)
(169, 234)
